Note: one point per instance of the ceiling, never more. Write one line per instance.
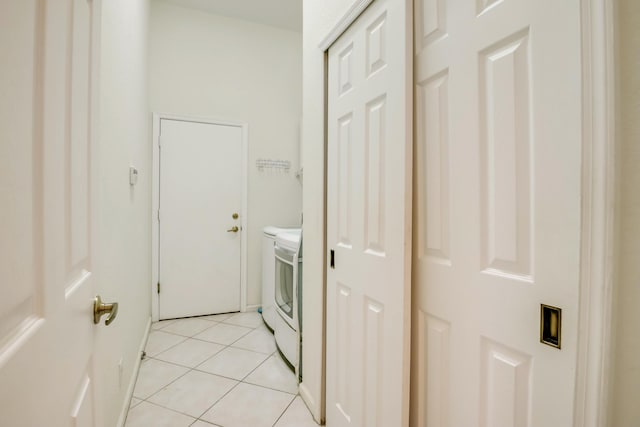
(285, 14)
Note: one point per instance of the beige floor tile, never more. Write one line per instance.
(296, 415)
(193, 393)
(154, 375)
(233, 363)
(260, 340)
(250, 319)
(223, 334)
(190, 353)
(249, 405)
(160, 341)
(187, 327)
(274, 373)
(161, 324)
(148, 415)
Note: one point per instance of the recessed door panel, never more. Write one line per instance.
(433, 375)
(431, 22)
(343, 350)
(79, 137)
(375, 155)
(344, 182)
(432, 160)
(506, 385)
(505, 91)
(374, 341)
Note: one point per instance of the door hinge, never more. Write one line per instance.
(158, 287)
(332, 260)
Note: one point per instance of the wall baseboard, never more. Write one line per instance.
(134, 376)
(307, 398)
(253, 307)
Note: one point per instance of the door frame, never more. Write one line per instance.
(597, 265)
(598, 234)
(155, 203)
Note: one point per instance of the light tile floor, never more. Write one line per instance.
(222, 370)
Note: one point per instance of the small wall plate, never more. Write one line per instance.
(133, 176)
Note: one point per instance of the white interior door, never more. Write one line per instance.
(368, 219)
(497, 211)
(47, 199)
(200, 191)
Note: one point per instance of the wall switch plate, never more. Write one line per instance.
(133, 175)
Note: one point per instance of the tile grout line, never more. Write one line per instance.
(285, 410)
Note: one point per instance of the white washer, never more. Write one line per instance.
(288, 287)
(269, 272)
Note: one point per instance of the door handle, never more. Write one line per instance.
(233, 229)
(100, 309)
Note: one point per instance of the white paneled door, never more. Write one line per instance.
(47, 211)
(496, 211)
(368, 219)
(201, 188)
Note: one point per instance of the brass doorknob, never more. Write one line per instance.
(233, 229)
(100, 309)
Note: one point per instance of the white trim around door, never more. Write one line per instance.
(598, 214)
(155, 203)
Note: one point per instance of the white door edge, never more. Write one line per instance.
(598, 214)
(155, 202)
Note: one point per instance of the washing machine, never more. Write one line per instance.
(288, 291)
(269, 273)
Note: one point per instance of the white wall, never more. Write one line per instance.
(319, 17)
(624, 409)
(205, 65)
(124, 257)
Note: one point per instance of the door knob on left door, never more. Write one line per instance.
(233, 229)
(100, 309)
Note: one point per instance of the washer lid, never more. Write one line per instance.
(272, 230)
(289, 239)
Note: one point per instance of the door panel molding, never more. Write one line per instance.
(598, 214)
(155, 202)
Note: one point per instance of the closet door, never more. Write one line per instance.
(497, 211)
(368, 219)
